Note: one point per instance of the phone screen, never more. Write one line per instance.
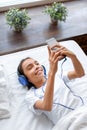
(51, 42)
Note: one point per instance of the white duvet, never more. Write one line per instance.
(21, 118)
(76, 120)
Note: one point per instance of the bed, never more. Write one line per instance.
(18, 116)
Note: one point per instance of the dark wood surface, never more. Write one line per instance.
(40, 29)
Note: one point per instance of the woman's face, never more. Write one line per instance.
(32, 70)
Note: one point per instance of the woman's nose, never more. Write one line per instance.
(36, 66)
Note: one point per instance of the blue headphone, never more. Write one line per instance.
(23, 79)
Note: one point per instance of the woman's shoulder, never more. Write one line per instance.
(30, 92)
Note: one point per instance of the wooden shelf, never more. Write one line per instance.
(40, 29)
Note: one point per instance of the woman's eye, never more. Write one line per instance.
(30, 67)
(37, 63)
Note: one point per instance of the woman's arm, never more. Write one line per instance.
(47, 102)
(78, 68)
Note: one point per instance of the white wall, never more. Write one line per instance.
(25, 3)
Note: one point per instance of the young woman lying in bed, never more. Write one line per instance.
(47, 95)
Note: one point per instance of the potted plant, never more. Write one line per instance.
(18, 19)
(57, 12)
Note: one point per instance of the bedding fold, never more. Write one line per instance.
(4, 97)
(77, 120)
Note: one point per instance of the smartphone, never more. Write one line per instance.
(51, 42)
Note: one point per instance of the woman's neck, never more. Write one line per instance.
(41, 82)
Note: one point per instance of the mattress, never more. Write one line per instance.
(21, 118)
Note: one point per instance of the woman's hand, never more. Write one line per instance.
(53, 59)
(63, 51)
(78, 68)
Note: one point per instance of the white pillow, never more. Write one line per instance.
(4, 97)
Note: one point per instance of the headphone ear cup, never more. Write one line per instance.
(22, 79)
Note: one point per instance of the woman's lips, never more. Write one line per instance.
(39, 71)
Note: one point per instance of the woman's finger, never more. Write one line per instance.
(49, 50)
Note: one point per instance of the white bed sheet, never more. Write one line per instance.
(21, 118)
